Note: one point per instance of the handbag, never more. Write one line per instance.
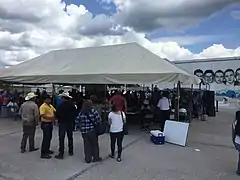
(125, 128)
(99, 127)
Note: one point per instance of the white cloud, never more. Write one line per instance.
(144, 16)
(188, 40)
(218, 50)
(29, 28)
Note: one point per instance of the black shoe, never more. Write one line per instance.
(119, 159)
(23, 150)
(59, 156)
(50, 152)
(46, 156)
(34, 149)
(97, 160)
(71, 153)
(88, 162)
(238, 173)
(111, 156)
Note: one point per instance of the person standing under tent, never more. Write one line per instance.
(13, 106)
(47, 113)
(146, 115)
(58, 98)
(66, 114)
(121, 105)
(95, 103)
(164, 107)
(116, 120)
(87, 120)
(29, 114)
(119, 101)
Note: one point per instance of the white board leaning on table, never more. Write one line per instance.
(176, 132)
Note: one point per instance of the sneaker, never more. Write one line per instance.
(34, 149)
(97, 160)
(23, 150)
(59, 156)
(46, 156)
(119, 159)
(50, 152)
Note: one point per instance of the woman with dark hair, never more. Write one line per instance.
(87, 120)
(236, 138)
(116, 120)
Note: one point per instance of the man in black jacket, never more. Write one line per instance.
(66, 114)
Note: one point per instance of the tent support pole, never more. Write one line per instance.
(152, 93)
(105, 102)
(178, 99)
(23, 89)
(53, 94)
(191, 105)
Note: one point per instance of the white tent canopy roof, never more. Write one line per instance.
(116, 64)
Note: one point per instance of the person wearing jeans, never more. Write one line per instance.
(47, 128)
(29, 114)
(66, 114)
(116, 120)
(47, 113)
(87, 120)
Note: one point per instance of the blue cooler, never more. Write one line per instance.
(157, 137)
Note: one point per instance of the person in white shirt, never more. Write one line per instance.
(164, 107)
(13, 106)
(116, 120)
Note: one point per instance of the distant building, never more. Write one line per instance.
(219, 73)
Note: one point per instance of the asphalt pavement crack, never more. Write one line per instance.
(8, 134)
(78, 174)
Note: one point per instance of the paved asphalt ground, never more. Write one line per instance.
(142, 160)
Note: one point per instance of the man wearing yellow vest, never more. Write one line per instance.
(47, 113)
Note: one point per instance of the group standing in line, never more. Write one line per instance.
(66, 115)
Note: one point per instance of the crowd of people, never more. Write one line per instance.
(74, 110)
(68, 116)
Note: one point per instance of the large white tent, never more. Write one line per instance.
(117, 64)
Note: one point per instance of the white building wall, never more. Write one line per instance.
(226, 72)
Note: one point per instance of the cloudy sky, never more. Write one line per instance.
(173, 29)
